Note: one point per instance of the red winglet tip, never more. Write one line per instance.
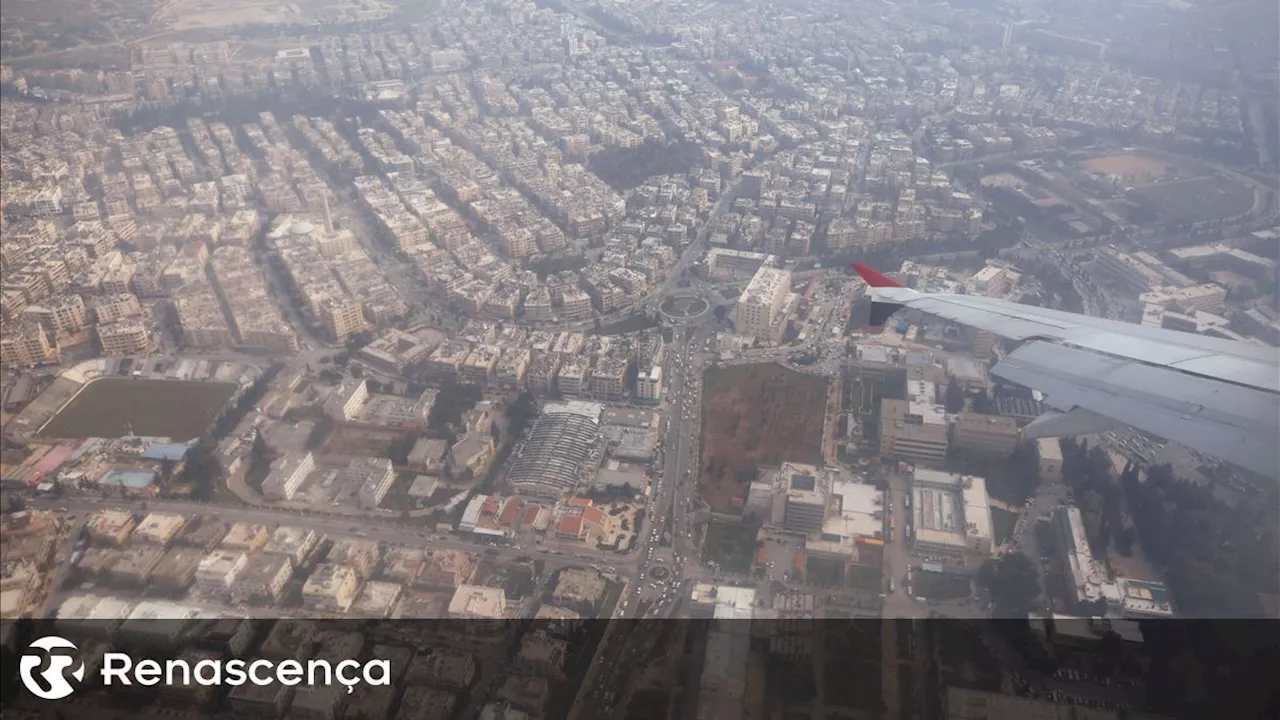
(873, 278)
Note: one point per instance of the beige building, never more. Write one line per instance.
(912, 436)
(1050, 450)
(477, 602)
(25, 344)
(111, 527)
(542, 655)
(342, 317)
(263, 579)
(992, 434)
(331, 588)
(126, 337)
(159, 528)
(218, 571)
(135, 565)
(446, 568)
(61, 315)
(113, 308)
(246, 537)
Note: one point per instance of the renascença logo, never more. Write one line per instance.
(120, 669)
(55, 676)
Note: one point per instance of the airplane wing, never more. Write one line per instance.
(1217, 396)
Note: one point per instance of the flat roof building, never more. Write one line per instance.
(331, 588)
(262, 580)
(951, 513)
(111, 527)
(159, 528)
(218, 571)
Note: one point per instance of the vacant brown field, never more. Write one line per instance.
(1136, 170)
(115, 406)
(756, 416)
(361, 442)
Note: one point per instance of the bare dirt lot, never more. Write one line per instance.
(361, 442)
(756, 416)
(1136, 170)
(114, 407)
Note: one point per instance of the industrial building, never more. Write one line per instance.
(914, 429)
(563, 449)
(951, 514)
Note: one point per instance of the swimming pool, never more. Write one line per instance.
(130, 478)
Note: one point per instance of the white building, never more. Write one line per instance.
(649, 384)
(375, 476)
(762, 301)
(287, 474)
(218, 571)
(347, 399)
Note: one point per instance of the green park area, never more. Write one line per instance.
(731, 546)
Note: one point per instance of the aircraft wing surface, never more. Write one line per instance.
(1214, 395)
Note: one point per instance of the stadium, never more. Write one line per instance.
(175, 399)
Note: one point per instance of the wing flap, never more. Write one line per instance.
(1066, 424)
(1235, 362)
(1235, 423)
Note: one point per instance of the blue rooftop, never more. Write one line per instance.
(166, 451)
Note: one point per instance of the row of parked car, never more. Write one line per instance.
(1081, 676)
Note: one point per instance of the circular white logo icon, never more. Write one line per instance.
(55, 685)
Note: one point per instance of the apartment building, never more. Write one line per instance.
(287, 474)
(346, 400)
(331, 588)
(108, 309)
(762, 302)
(341, 316)
(25, 344)
(649, 385)
(375, 477)
(126, 337)
(216, 575)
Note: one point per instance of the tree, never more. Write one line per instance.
(1110, 652)
(1014, 583)
(953, 399)
(202, 469)
(982, 403)
(166, 470)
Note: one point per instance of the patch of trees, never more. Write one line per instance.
(320, 433)
(1014, 583)
(1217, 558)
(1060, 286)
(545, 266)
(453, 400)
(1204, 669)
(983, 404)
(953, 398)
(1087, 471)
(248, 401)
(201, 470)
(520, 414)
(628, 168)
